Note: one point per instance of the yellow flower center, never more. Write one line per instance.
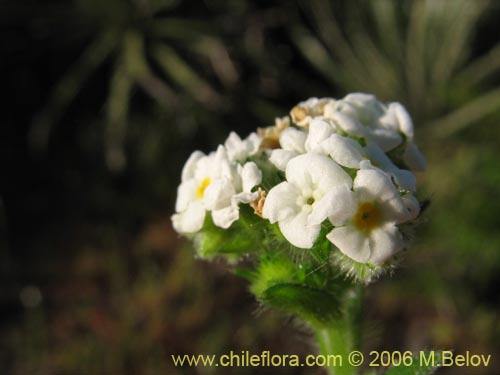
(200, 191)
(367, 217)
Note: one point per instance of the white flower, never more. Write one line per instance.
(344, 123)
(403, 178)
(292, 142)
(349, 153)
(319, 130)
(295, 142)
(298, 204)
(239, 150)
(365, 223)
(224, 199)
(381, 125)
(323, 138)
(212, 183)
(345, 151)
(412, 156)
(397, 118)
(365, 108)
(385, 125)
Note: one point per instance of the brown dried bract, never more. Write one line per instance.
(258, 204)
(271, 134)
(298, 114)
(303, 111)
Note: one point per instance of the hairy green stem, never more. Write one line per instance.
(341, 337)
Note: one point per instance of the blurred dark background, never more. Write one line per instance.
(105, 100)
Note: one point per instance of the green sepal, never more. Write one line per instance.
(243, 236)
(415, 368)
(352, 172)
(322, 248)
(313, 305)
(360, 272)
(274, 268)
(299, 282)
(245, 273)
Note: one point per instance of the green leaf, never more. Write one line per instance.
(316, 54)
(469, 114)
(117, 108)
(69, 86)
(418, 367)
(481, 68)
(313, 305)
(177, 69)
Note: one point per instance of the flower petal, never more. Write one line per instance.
(373, 184)
(234, 146)
(220, 166)
(297, 232)
(405, 179)
(413, 158)
(186, 193)
(239, 150)
(293, 139)
(403, 118)
(280, 158)
(388, 121)
(351, 242)
(361, 98)
(363, 107)
(337, 204)
(385, 242)
(345, 151)
(224, 217)
(346, 123)
(319, 131)
(315, 171)
(189, 168)
(395, 211)
(244, 197)
(190, 220)
(218, 194)
(385, 138)
(253, 142)
(378, 156)
(214, 165)
(412, 205)
(281, 202)
(251, 176)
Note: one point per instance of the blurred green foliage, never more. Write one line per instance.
(108, 98)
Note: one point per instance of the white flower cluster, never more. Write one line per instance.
(217, 182)
(339, 163)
